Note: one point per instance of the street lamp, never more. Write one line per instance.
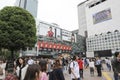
(37, 47)
(37, 34)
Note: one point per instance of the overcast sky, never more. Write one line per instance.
(62, 12)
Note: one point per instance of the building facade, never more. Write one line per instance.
(30, 5)
(82, 19)
(102, 25)
(104, 44)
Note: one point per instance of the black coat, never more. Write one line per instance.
(56, 74)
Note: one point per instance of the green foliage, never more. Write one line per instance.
(17, 29)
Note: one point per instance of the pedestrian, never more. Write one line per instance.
(108, 63)
(2, 69)
(92, 67)
(21, 68)
(81, 66)
(74, 69)
(86, 62)
(116, 66)
(33, 72)
(98, 65)
(57, 73)
(10, 76)
(43, 66)
(30, 61)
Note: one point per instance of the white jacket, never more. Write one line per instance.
(23, 71)
(3, 65)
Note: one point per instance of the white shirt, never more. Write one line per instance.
(3, 65)
(74, 65)
(91, 64)
(30, 61)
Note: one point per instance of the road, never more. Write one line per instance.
(106, 75)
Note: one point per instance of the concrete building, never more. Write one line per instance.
(30, 5)
(82, 19)
(100, 19)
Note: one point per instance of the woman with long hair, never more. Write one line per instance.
(33, 72)
(21, 68)
(57, 73)
(43, 66)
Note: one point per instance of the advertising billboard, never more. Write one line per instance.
(58, 34)
(49, 30)
(46, 30)
(102, 16)
(68, 36)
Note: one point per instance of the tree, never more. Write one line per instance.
(17, 29)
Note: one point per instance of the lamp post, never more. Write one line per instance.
(37, 39)
(37, 47)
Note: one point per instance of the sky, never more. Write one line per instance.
(62, 12)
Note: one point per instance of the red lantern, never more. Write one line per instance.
(54, 46)
(46, 45)
(50, 45)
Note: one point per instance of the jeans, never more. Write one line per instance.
(116, 77)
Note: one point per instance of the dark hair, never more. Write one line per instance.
(43, 65)
(116, 54)
(74, 58)
(31, 72)
(18, 63)
(57, 64)
(50, 27)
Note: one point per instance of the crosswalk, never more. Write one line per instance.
(107, 75)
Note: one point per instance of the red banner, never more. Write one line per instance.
(50, 45)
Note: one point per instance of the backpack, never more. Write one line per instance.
(1, 71)
(69, 69)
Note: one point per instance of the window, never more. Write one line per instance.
(96, 3)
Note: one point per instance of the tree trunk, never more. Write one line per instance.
(12, 54)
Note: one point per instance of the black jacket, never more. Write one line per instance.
(56, 74)
(116, 65)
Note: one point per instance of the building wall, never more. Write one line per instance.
(30, 5)
(82, 19)
(104, 26)
(105, 41)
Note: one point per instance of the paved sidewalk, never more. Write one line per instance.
(106, 75)
(86, 76)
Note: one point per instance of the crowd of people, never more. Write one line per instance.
(52, 69)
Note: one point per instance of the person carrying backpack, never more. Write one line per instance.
(74, 69)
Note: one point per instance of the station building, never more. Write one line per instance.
(99, 23)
